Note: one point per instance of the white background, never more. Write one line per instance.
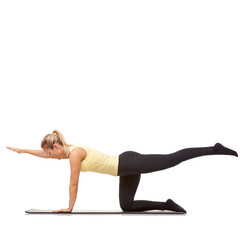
(148, 76)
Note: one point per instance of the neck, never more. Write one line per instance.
(66, 154)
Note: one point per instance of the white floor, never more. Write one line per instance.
(207, 224)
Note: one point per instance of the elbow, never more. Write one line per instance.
(73, 185)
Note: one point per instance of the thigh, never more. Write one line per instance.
(127, 188)
(131, 162)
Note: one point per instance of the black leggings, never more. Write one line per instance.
(132, 164)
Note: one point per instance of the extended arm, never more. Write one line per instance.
(38, 153)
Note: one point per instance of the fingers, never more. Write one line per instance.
(10, 148)
(61, 210)
(58, 210)
(14, 149)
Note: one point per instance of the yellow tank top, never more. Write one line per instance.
(97, 161)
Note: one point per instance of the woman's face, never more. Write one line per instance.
(56, 152)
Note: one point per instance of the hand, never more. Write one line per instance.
(63, 210)
(18, 150)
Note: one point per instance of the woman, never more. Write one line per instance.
(128, 166)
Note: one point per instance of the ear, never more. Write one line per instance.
(55, 146)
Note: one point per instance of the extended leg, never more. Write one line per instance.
(136, 163)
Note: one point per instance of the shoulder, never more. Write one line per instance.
(77, 152)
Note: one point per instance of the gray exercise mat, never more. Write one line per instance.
(39, 211)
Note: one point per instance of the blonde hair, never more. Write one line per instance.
(55, 137)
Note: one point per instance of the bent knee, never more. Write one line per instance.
(126, 205)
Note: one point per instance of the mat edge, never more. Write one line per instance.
(38, 211)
